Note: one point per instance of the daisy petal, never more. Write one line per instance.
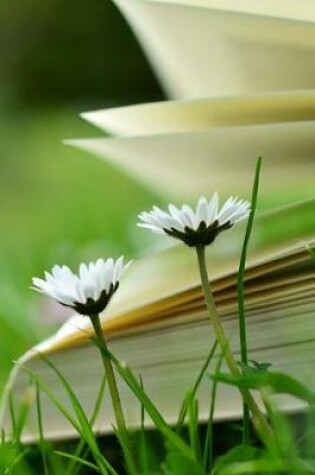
(83, 292)
(185, 224)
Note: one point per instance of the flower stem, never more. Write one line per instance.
(113, 389)
(259, 420)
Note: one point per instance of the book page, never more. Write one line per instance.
(198, 51)
(219, 158)
(197, 115)
(303, 10)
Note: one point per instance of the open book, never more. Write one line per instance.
(215, 47)
(157, 324)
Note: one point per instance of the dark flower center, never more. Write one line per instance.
(203, 236)
(93, 307)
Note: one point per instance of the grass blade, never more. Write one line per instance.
(208, 448)
(42, 445)
(78, 460)
(280, 383)
(285, 446)
(192, 392)
(241, 294)
(193, 427)
(54, 399)
(86, 429)
(12, 413)
(143, 446)
(153, 412)
(20, 421)
(82, 427)
(82, 449)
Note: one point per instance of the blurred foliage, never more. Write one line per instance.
(69, 51)
(57, 205)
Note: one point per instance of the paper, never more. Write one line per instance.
(201, 114)
(199, 51)
(186, 165)
(303, 10)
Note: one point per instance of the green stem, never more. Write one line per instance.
(246, 424)
(259, 420)
(113, 389)
(241, 294)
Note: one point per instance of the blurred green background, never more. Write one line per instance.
(58, 205)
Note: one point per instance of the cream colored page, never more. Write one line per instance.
(196, 115)
(169, 312)
(199, 52)
(184, 166)
(302, 10)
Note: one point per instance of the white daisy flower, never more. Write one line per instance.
(199, 227)
(87, 292)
